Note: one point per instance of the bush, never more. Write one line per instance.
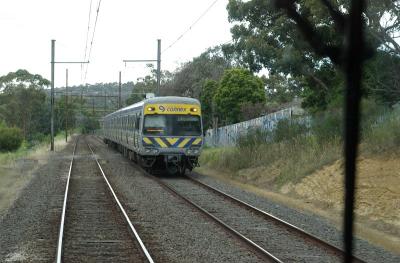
(10, 138)
(383, 135)
(253, 138)
(288, 130)
(327, 126)
(90, 124)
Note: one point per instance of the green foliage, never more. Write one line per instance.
(253, 138)
(327, 125)
(10, 138)
(236, 87)
(382, 78)
(189, 79)
(279, 88)
(293, 151)
(383, 135)
(264, 37)
(207, 102)
(65, 111)
(22, 102)
(22, 78)
(288, 130)
(90, 124)
(134, 98)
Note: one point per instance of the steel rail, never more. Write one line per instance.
(132, 228)
(61, 232)
(275, 219)
(255, 247)
(248, 242)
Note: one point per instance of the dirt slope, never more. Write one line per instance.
(378, 192)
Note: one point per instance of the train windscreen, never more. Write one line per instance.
(172, 125)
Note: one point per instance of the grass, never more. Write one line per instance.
(295, 150)
(14, 176)
(25, 149)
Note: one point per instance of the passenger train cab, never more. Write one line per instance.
(158, 133)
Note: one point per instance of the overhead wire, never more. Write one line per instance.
(91, 42)
(191, 26)
(87, 37)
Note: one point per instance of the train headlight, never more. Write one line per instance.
(193, 109)
(151, 150)
(193, 151)
(151, 109)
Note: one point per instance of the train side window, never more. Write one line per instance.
(137, 121)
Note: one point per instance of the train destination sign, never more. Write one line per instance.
(172, 109)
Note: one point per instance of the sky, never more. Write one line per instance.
(126, 29)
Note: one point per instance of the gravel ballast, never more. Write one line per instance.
(173, 231)
(29, 229)
(94, 229)
(283, 244)
(311, 223)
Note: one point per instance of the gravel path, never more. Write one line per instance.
(94, 227)
(29, 229)
(313, 224)
(173, 231)
(286, 246)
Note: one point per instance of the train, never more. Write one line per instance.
(158, 133)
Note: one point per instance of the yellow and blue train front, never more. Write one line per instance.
(172, 133)
(190, 146)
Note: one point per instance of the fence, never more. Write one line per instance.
(228, 135)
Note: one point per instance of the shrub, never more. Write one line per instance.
(383, 135)
(10, 138)
(288, 130)
(328, 125)
(253, 138)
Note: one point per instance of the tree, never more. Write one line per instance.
(237, 87)
(10, 138)
(133, 98)
(384, 85)
(207, 102)
(69, 112)
(23, 101)
(305, 47)
(22, 78)
(189, 79)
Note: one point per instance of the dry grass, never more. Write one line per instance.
(17, 168)
(297, 154)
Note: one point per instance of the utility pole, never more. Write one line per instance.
(53, 44)
(158, 60)
(119, 92)
(105, 100)
(66, 105)
(158, 66)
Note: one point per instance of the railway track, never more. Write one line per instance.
(94, 226)
(270, 237)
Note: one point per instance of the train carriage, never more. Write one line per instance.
(158, 133)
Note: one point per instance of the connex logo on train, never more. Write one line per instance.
(171, 109)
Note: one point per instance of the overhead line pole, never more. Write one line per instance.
(53, 43)
(158, 66)
(119, 91)
(53, 62)
(158, 60)
(66, 105)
